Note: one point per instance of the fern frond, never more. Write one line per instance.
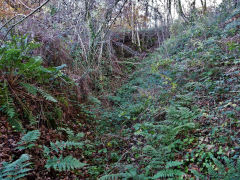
(33, 90)
(65, 145)
(68, 144)
(30, 88)
(111, 176)
(31, 136)
(47, 96)
(71, 135)
(212, 172)
(168, 173)
(16, 169)
(28, 138)
(16, 124)
(238, 165)
(64, 164)
(173, 164)
(219, 165)
(8, 107)
(197, 174)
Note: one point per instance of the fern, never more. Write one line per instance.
(197, 174)
(61, 145)
(158, 167)
(169, 173)
(30, 88)
(178, 115)
(18, 68)
(33, 90)
(112, 176)
(28, 139)
(131, 173)
(16, 169)
(159, 162)
(64, 164)
(65, 145)
(71, 135)
(8, 107)
(171, 164)
(61, 163)
(47, 96)
(227, 171)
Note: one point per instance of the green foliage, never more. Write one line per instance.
(61, 145)
(232, 28)
(8, 107)
(179, 115)
(20, 69)
(171, 105)
(131, 173)
(157, 167)
(16, 169)
(27, 140)
(168, 174)
(227, 171)
(33, 90)
(159, 162)
(64, 164)
(71, 135)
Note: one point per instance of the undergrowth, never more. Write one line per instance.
(179, 111)
(175, 117)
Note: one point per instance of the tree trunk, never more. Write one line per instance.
(204, 6)
(236, 3)
(180, 11)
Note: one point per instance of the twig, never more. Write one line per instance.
(11, 20)
(38, 8)
(115, 18)
(111, 170)
(25, 5)
(128, 62)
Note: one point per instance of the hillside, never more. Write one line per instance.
(179, 112)
(168, 113)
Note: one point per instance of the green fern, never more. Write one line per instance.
(19, 67)
(71, 135)
(227, 171)
(47, 96)
(15, 170)
(64, 164)
(27, 140)
(168, 173)
(178, 115)
(61, 145)
(131, 173)
(33, 90)
(8, 107)
(172, 164)
(112, 176)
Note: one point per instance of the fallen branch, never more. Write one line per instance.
(128, 62)
(126, 48)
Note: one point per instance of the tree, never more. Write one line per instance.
(204, 6)
(23, 16)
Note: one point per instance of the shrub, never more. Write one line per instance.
(23, 78)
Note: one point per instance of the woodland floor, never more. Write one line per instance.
(171, 115)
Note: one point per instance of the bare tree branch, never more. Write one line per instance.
(35, 10)
(11, 20)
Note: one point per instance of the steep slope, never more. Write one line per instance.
(178, 115)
